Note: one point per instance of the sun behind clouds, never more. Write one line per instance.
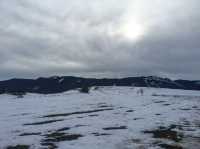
(132, 30)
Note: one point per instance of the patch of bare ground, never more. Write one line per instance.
(18, 147)
(165, 133)
(52, 138)
(44, 122)
(78, 112)
(115, 128)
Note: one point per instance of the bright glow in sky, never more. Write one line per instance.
(131, 30)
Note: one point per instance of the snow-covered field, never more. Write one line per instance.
(107, 118)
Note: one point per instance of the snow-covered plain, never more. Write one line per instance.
(108, 118)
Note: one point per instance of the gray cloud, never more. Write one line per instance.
(99, 38)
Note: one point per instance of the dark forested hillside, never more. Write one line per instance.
(60, 84)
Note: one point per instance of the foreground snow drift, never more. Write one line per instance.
(109, 118)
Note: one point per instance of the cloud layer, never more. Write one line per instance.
(101, 38)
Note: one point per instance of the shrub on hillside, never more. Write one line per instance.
(96, 88)
(19, 94)
(85, 89)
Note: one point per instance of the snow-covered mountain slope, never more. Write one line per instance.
(108, 117)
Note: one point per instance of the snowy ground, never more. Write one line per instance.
(108, 118)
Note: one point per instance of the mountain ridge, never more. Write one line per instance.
(57, 84)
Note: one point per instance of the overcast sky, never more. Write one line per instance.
(113, 38)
